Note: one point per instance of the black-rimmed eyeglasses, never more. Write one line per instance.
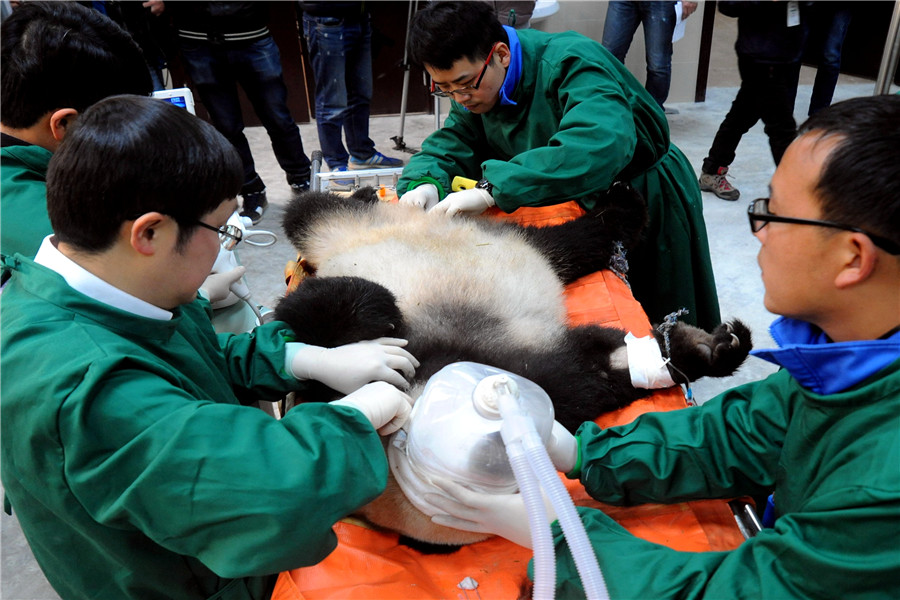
(759, 215)
(467, 90)
(229, 235)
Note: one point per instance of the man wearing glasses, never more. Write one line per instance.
(822, 432)
(129, 452)
(543, 119)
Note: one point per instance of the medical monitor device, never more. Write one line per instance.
(179, 97)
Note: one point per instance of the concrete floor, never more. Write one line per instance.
(732, 246)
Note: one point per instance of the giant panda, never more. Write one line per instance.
(481, 290)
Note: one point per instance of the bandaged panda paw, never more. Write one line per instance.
(646, 365)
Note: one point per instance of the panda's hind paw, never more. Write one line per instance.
(697, 353)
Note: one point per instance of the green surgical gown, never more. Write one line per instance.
(24, 221)
(834, 461)
(135, 465)
(581, 121)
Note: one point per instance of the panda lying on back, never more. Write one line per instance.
(474, 289)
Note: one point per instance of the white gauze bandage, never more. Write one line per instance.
(645, 363)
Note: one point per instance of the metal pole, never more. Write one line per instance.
(891, 55)
(399, 144)
(437, 113)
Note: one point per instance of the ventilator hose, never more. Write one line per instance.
(573, 528)
(541, 538)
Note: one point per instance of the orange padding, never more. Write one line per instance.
(368, 564)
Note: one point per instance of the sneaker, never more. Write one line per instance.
(718, 185)
(254, 206)
(341, 185)
(299, 188)
(376, 161)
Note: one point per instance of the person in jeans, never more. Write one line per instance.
(828, 24)
(769, 47)
(658, 18)
(339, 38)
(224, 44)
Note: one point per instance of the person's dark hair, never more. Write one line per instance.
(126, 156)
(858, 183)
(444, 32)
(62, 55)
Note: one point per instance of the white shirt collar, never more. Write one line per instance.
(82, 280)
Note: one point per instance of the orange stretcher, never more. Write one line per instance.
(369, 564)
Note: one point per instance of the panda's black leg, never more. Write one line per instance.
(333, 311)
(588, 243)
(697, 353)
(586, 376)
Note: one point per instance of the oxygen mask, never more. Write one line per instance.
(454, 430)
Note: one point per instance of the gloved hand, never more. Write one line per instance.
(386, 407)
(499, 514)
(424, 196)
(216, 287)
(562, 448)
(467, 202)
(347, 368)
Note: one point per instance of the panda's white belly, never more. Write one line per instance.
(428, 261)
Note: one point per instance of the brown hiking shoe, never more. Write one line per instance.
(718, 185)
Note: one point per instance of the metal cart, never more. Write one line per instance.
(376, 178)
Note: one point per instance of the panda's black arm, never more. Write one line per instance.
(574, 249)
(586, 244)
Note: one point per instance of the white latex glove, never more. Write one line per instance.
(562, 448)
(386, 407)
(347, 368)
(467, 202)
(217, 286)
(424, 196)
(499, 514)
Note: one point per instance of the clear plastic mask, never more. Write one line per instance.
(450, 435)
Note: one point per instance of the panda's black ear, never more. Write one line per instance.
(365, 194)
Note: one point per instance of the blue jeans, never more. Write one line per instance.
(827, 29)
(622, 20)
(341, 55)
(216, 70)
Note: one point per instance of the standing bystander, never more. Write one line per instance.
(769, 46)
(659, 19)
(226, 44)
(339, 38)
